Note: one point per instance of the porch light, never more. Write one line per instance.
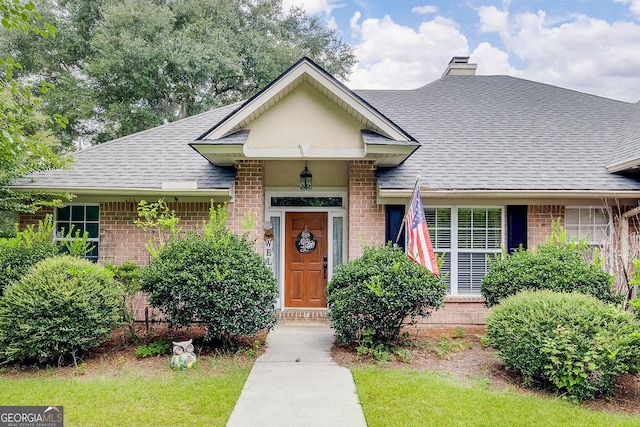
(305, 178)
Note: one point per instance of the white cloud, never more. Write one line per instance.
(492, 19)
(424, 10)
(577, 52)
(331, 24)
(635, 6)
(586, 54)
(491, 60)
(354, 26)
(395, 56)
(311, 7)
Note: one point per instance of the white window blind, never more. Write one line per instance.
(465, 236)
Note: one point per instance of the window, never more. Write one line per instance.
(465, 236)
(589, 224)
(338, 240)
(80, 218)
(592, 225)
(316, 202)
(439, 222)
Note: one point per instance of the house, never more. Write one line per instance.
(499, 158)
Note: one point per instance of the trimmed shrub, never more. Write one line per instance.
(565, 342)
(19, 253)
(558, 267)
(220, 281)
(61, 308)
(370, 297)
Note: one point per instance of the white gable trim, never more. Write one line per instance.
(629, 164)
(306, 70)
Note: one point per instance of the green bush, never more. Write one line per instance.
(370, 297)
(61, 308)
(635, 303)
(155, 348)
(566, 342)
(128, 274)
(558, 267)
(19, 253)
(220, 281)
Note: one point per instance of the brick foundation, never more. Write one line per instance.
(466, 312)
(457, 311)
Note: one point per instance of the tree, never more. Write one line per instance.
(26, 143)
(121, 66)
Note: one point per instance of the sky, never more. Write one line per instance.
(591, 46)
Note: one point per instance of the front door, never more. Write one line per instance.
(305, 259)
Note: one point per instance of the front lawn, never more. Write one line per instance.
(158, 396)
(408, 397)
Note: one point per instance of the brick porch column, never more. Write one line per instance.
(249, 197)
(366, 217)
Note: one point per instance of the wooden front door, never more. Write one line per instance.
(305, 262)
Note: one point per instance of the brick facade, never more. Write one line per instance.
(366, 217)
(539, 222)
(249, 198)
(32, 219)
(121, 240)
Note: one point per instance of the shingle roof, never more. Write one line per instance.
(143, 160)
(476, 133)
(628, 148)
(504, 133)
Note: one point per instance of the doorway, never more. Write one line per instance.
(306, 259)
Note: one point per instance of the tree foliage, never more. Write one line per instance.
(127, 65)
(26, 140)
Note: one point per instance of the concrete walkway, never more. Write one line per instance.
(296, 383)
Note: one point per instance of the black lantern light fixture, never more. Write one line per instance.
(305, 178)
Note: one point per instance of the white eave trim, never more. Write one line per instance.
(524, 194)
(297, 74)
(209, 192)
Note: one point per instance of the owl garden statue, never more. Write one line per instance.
(183, 356)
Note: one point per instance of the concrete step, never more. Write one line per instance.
(303, 317)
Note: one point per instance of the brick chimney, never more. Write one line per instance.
(459, 66)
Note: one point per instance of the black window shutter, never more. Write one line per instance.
(392, 221)
(516, 227)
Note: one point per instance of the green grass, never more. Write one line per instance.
(409, 398)
(195, 397)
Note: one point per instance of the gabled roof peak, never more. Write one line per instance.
(306, 70)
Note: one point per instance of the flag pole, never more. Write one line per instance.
(415, 187)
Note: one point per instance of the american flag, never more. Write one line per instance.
(420, 249)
